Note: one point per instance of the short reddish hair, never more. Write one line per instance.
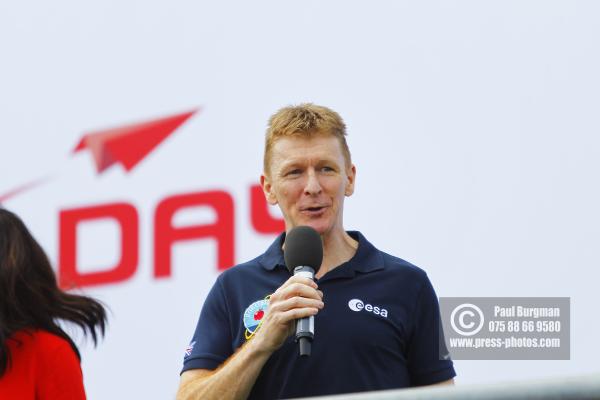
(305, 120)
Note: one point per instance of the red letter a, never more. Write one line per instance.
(222, 230)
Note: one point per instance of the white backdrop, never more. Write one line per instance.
(474, 127)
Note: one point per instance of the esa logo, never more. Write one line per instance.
(358, 305)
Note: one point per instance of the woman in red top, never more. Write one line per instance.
(38, 360)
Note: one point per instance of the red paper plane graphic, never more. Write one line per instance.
(129, 144)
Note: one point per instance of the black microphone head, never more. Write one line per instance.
(303, 247)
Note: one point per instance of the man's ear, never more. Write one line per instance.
(351, 177)
(267, 188)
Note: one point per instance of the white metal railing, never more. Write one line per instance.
(579, 388)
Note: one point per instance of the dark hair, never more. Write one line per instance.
(30, 298)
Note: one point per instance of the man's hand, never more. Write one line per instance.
(297, 298)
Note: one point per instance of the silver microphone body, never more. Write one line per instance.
(305, 327)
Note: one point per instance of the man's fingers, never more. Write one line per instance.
(296, 302)
(296, 313)
(297, 289)
(297, 298)
(299, 279)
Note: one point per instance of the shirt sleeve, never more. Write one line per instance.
(428, 359)
(211, 343)
(59, 373)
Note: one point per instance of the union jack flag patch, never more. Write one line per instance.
(188, 350)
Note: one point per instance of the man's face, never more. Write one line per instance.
(309, 179)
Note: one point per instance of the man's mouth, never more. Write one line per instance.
(313, 210)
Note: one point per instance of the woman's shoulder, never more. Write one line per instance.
(41, 340)
(44, 337)
(50, 343)
(51, 362)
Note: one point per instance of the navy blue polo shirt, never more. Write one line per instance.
(378, 329)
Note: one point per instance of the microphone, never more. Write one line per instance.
(303, 254)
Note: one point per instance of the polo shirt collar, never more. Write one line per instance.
(273, 257)
(366, 259)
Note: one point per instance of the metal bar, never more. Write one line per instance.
(579, 388)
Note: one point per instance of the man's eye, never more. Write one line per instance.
(293, 172)
(327, 169)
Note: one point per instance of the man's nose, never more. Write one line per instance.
(313, 186)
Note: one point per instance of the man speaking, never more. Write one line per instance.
(376, 317)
